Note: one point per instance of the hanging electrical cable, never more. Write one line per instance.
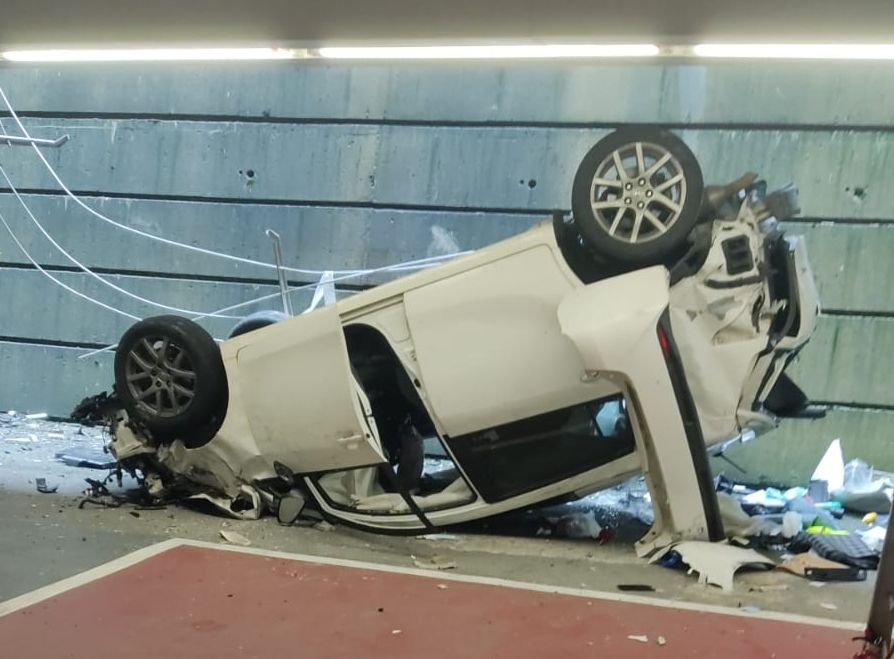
(201, 250)
(264, 298)
(62, 284)
(87, 270)
(220, 313)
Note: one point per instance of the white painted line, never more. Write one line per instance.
(35, 596)
(133, 558)
(542, 588)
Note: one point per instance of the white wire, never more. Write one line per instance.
(167, 241)
(268, 297)
(62, 284)
(87, 270)
(343, 274)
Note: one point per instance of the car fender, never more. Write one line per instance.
(610, 321)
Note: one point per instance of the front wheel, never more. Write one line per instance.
(636, 196)
(170, 376)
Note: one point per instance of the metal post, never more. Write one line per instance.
(281, 273)
(15, 140)
(877, 644)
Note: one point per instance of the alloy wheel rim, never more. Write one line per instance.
(160, 376)
(638, 192)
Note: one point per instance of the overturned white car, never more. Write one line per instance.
(654, 322)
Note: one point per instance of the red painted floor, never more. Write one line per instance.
(199, 602)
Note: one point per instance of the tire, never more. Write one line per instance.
(170, 377)
(637, 220)
(257, 320)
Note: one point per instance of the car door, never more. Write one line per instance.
(303, 403)
(489, 345)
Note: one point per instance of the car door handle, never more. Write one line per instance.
(351, 441)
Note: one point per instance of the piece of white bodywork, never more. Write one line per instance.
(234, 538)
(622, 344)
(225, 504)
(343, 433)
(716, 563)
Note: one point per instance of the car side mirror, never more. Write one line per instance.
(288, 508)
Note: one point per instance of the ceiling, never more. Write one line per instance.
(50, 23)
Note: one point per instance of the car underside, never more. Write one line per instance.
(650, 325)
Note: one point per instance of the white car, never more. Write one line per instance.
(653, 323)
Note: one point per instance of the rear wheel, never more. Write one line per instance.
(257, 320)
(170, 376)
(636, 196)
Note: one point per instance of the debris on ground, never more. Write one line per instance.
(234, 538)
(831, 467)
(323, 525)
(768, 588)
(86, 458)
(661, 640)
(435, 563)
(862, 491)
(641, 638)
(579, 525)
(874, 538)
(809, 521)
(717, 563)
(820, 570)
(43, 488)
(99, 495)
(847, 549)
(22, 440)
(623, 514)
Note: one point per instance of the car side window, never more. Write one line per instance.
(514, 458)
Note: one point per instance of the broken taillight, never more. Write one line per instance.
(664, 342)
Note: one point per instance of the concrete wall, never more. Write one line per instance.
(364, 166)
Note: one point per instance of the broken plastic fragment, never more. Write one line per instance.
(234, 538)
(42, 486)
(435, 563)
(715, 563)
(641, 638)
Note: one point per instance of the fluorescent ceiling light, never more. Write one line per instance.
(470, 52)
(797, 51)
(532, 51)
(148, 54)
